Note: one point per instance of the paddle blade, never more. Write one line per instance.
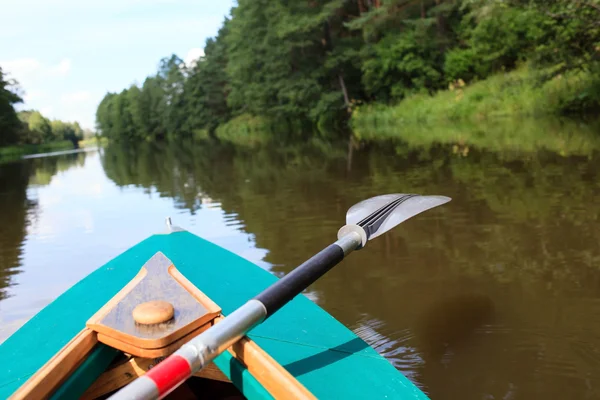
(379, 214)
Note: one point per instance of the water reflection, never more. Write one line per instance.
(20, 208)
(503, 136)
(471, 295)
(15, 206)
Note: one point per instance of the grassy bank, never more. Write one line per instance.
(16, 152)
(517, 94)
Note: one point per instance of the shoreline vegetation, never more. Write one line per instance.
(279, 70)
(520, 93)
(28, 131)
(15, 152)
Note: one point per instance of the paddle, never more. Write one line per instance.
(364, 221)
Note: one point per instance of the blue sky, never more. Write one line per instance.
(66, 54)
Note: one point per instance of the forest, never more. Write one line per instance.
(30, 127)
(309, 67)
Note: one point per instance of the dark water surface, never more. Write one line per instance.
(495, 295)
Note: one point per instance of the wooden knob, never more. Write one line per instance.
(153, 312)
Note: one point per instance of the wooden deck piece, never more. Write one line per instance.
(157, 280)
(151, 353)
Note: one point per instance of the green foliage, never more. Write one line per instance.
(401, 64)
(571, 32)
(40, 127)
(29, 131)
(288, 60)
(207, 87)
(305, 66)
(67, 131)
(518, 93)
(505, 36)
(462, 64)
(9, 122)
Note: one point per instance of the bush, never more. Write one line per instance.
(461, 64)
(16, 152)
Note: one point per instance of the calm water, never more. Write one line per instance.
(495, 295)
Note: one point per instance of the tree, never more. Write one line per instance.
(302, 66)
(570, 34)
(292, 60)
(207, 87)
(152, 103)
(9, 122)
(40, 126)
(104, 121)
(67, 131)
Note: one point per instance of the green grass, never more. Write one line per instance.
(516, 94)
(16, 152)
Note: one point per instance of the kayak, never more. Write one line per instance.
(120, 321)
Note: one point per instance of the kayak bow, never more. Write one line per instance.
(365, 220)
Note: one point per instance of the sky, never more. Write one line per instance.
(66, 54)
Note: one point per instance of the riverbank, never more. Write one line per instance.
(518, 93)
(9, 153)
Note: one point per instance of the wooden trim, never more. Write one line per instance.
(268, 372)
(122, 374)
(48, 378)
(151, 353)
(203, 299)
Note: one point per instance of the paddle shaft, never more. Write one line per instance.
(200, 351)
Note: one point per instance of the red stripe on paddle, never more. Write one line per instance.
(169, 373)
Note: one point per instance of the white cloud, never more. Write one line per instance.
(193, 55)
(76, 97)
(33, 94)
(46, 111)
(26, 69)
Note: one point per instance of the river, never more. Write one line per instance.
(495, 295)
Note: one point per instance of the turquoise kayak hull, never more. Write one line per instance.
(319, 351)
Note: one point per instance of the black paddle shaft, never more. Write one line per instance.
(277, 295)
